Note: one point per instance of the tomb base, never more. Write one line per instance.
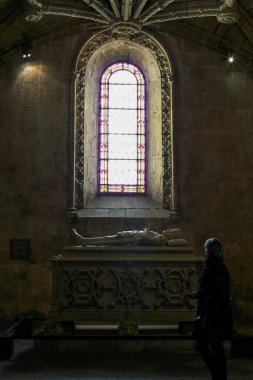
(146, 285)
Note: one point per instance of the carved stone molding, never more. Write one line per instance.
(125, 28)
(141, 284)
(146, 41)
(145, 13)
(33, 11)
(82, 288)
(118, 288)
(33, 15)
(229, 16)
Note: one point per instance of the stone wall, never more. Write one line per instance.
(214, 144)
(215, 155)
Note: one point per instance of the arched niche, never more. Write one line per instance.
(145, 52)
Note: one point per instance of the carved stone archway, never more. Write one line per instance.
(146, 41)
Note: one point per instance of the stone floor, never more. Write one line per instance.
(176, 361)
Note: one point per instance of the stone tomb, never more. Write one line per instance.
(111, 284)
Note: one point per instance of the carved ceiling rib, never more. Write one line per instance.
(115, 8)
(141, 4)
(181, 11)
(154, 8)
(128, 16)
(145, 11)
(70, 12)
(245, 23)
(99, 6)
(127, 9)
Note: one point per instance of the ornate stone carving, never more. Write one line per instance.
(34, 16)
(172, 287)
(117, 288)
(82, 287)
(126, 29)
(144, 12)
(156, 50)
(128, 287)
(33, 12)
(229, 16)
(228, 12)
(125, 284)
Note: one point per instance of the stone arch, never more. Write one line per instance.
(144, 51)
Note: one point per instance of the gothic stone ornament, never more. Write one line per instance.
(172, 287)
(228, 17)
(33, 15)
(129, 288)
(125, 29)
(156, 50)
(125, 284)
(115, 288)
(33, 11)
(228, 12)
(82, 287)
(145, 12)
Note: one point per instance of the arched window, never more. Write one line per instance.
(102, 132)
(122, 130)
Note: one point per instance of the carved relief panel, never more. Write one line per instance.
(88, 288)
(118, 288)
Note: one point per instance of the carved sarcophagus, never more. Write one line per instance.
(114, 283)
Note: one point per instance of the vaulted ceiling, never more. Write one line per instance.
(222, 25)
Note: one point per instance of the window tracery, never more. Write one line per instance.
(144, 51)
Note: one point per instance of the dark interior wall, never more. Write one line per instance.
(215, 158)
(213, 132)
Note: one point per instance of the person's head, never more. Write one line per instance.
(213, 248)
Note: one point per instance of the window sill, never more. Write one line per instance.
(122, 207)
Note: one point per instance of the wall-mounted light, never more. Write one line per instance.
(228, 54)
(26, 49)
(231, 58)
(26, 54)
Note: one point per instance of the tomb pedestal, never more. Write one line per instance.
(148, 285)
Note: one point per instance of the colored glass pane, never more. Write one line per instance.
(122, 147)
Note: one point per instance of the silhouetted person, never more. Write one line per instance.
(214, 322)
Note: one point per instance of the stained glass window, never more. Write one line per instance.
(122, 123)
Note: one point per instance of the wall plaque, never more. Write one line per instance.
(20, 249)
